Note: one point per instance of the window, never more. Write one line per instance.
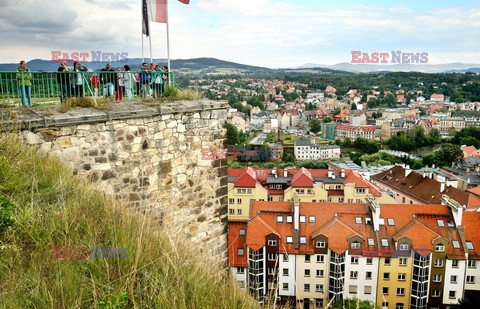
(306, 287)
(289, 239)
(450, 223)
(249, 191)
(401, 276)
(320, 258)
(311, 219)
(285, 257)
(270, 198)
(368, 289)
(440, 223)
(239, 200)
(368, 275)
(272, 242)
(454, 263)
(302, 219)
(320, 244)
(318, 287)
(307, 258)
(240, 270)
(279, 219)
(319, 273)
(369, 261)
(354, 260)
(231, 211)
(384, 242)
(352, 289)
(289, 219)
(384, 290)
(231, 201)
(350, 200)
(381, 221)
(455, 244)
(472, 264)
(241, 191)
(358, 220)
(453, 279)
(371, 242)
(399, 306)
(285, 286)
(402, 261)
(355, 245)
(353, 274)
(303, 240)
(240, 251)
(440, 248)
(470, 279)
(319, 302)
(438, 263)
(361, 191)
(391, 221)
(451, 294)
(239, 211)
(271, 271)
(437, 278)
(386, 276)
(387, 261)
(435, 293)
(307, 272)
(241, 232)
(368, 221)
(469, 245)
(272, 256)
(400, 291)
(278, 186)
(385, 305)
(403, 247)
(358, 200)
(285, 272)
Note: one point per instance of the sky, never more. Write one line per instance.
(268, 33)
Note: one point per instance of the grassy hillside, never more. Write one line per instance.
(42, 204)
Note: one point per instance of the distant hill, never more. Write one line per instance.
(200, 65)
(455, 67)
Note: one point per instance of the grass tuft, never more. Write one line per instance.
(49, 206)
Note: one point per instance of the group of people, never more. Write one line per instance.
(149, 82)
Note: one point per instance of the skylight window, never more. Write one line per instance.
(450, 223)
(382, 221)
(455, 244)
(469, 245)
(391, 221)
(384, 242)
(358, 220)
(370, 242)
(440, 223)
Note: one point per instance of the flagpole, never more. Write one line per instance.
(150, 42)
(141, 30)
(168, 48)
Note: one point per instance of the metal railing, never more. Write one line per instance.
(29, 88)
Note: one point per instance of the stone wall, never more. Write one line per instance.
(151, 159)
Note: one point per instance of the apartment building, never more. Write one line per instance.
(305, 149)
(343, 131)
(394, 255)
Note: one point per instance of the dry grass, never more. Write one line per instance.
(101, 103)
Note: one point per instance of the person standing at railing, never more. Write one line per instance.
(165, 78)
(24, 77)
(63, 79)
(129, 80)
(78, 81)
(137, 84)
(108, 79)
(119, 86)
(157, 81)
(95, 84)
(145, 80)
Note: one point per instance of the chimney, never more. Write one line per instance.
(296, 222)
(330, 173)
(408, 170)
(455, 207)
(285, 174)
(375, 210)
(442, 187)
(343, 173)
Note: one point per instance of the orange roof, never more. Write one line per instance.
(470, 222)
(235, 242)
(258, 229)
(353, 177)
(468, 150)
(475, 190)
(247, 179)
(303, 178)
(337, 233)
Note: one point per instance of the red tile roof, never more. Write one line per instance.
(235, 242)
(302, 179)
(247, 179)
(468, 150)
(475, 190)
(470, 222)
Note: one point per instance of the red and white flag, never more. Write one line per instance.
(158, 10)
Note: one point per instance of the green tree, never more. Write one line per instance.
(353, 303)
(470, 141)
(354, 107)
(232, 134)
(327, 119)
(314, 125)
(447, 154)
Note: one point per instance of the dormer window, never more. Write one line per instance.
(440, 248)
(320, 244)
(355, 245)
(272, 242)
(403, 247)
